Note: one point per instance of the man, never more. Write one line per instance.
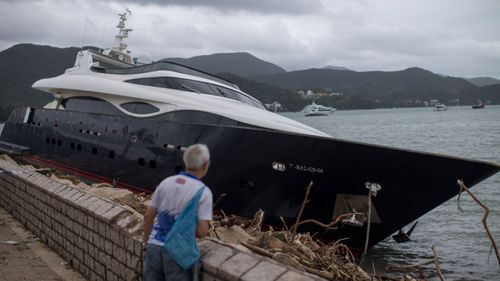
(169, 200)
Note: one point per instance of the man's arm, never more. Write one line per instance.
(149, 219)
(203, 228)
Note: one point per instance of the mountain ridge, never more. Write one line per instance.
(483, 81)
(240, 63)
(23, 64)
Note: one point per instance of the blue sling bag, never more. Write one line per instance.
(180, 242)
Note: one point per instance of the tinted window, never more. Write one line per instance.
(196, 87)
(164, 65)
(140, 107)
(90, 104)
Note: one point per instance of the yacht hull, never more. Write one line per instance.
(256, 168)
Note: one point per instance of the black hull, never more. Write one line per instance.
(256, 168)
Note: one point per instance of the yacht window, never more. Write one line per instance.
(164, 65)
(140, 107)
(91, 105)
(196, 87)
(228, 93)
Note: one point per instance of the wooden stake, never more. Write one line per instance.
(485, 217)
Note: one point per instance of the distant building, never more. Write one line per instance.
(337, 94)
(433, 102)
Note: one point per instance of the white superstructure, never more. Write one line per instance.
(83, 80)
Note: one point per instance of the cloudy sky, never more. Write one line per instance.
(453, 37)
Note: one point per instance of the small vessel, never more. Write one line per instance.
(317, 110)
(440, 107)
(116, 122)
(478, 105)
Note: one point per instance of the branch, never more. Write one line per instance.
(485, 217)
(306, 200)
(326, 226)
(436, 262)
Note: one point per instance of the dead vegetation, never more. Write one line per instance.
(333, 261)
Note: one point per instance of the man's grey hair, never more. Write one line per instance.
(196, 156)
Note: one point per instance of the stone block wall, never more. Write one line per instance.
(225, 262)
(99, 238)
(103, 240)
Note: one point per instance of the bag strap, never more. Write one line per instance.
(193, 202)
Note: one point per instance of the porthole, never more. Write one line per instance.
(152, 164)
(53, 141)
(79, 147)
(111, 154)
(94, 150)
(72, 145)
(59, 142)
(141, 161)
(47, 140)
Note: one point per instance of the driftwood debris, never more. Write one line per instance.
(293, 229)
(436, 263)
(463, 187)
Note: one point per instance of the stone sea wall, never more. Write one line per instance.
(96, 236)
(103, 239)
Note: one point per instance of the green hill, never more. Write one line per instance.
(374, 88)
(22, 65)
(241, 64)
(483, 81)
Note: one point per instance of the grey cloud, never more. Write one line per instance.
(296, 7)
(455, 37)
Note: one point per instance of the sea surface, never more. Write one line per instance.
(459, 237)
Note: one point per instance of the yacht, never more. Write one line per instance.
(478, 105)
(440, 107)
(317, 110)
(113, 121)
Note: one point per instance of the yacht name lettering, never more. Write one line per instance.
(305, 168)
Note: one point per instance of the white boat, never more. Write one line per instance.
(317, 110)
(440, 107)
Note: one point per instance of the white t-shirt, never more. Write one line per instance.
(171, 197)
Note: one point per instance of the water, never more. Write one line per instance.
(460, 238)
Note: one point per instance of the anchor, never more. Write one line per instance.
(402, 237)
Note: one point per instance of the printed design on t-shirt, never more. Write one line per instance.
(164, 225)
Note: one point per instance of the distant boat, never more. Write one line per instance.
(317, 110)
(478, 105)
(440, 107)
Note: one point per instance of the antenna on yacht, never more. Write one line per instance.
(119, 46)
(118, 51)
(84, 33)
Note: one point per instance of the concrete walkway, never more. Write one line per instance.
(23, 257)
